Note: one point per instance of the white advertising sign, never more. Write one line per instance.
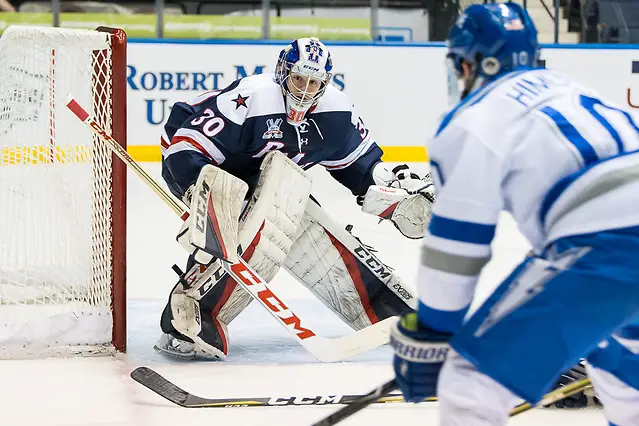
(400, 90)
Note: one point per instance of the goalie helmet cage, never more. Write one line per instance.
(62, 194)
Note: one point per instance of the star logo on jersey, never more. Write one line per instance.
(240, 101)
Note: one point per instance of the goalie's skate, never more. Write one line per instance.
(175, 348)
(209, 341)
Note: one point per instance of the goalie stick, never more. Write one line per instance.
(383, 390)
(382, 395)
(322, 348)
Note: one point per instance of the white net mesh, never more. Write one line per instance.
(55, 194)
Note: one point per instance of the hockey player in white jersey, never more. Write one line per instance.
(260, 133)
(564, 162)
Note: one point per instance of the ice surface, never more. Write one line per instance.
(263, 360)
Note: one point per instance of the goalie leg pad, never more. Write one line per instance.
(345, 275)
(216, 204)
(267, 230)
(269, 226)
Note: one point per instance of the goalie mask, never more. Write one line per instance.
(303, 71)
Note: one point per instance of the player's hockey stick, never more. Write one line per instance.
(178, 396)
(164, 388)
(383, 390)
(554, 396)
(322, 348)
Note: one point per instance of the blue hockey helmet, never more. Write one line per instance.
(303, 72)
(493, 39)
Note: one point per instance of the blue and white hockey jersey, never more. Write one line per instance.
(234, 128)
(535, 144)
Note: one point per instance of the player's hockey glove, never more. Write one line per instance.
(420, 353)
(406, 200)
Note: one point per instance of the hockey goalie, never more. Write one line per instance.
(237, 157)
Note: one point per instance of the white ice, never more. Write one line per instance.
(263, 360)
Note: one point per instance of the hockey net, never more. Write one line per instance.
(62, 193)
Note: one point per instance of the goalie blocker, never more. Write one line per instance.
(289, 229)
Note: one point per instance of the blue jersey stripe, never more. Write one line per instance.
(555, 192)
(618, 361)
(589, 103)
(569, 131)
(436, 168)
(440, 320)
(458, 230)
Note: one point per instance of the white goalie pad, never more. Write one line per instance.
(216, 204)
(268, 228)
(345, 275)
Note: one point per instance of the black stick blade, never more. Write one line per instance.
(158, 384)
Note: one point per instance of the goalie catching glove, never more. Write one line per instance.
(402, 197)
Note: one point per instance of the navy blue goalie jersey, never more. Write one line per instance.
(236, 127)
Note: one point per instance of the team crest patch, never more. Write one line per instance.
(273, 131)
(314, 50)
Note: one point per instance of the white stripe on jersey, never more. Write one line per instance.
(631, 345)
(361, 149)
(202, 97)
(164, 140)
(179, 147)
(456, 292)
(264, 97)
(335, 100)
(202, 141)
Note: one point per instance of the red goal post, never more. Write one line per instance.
(118, 132)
